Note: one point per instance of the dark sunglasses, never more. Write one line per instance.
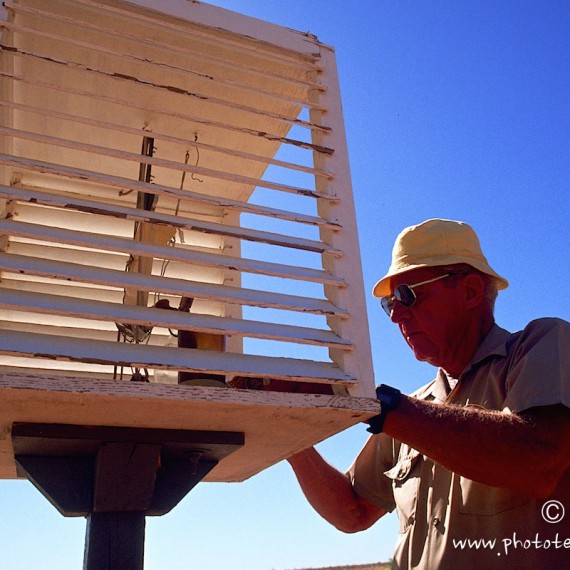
(405, 295)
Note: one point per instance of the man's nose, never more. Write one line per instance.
(399, 313)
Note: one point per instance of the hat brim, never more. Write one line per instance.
(382, 287)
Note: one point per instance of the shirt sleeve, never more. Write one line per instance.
(539, 366)
(367, 471)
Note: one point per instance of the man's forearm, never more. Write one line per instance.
(524, 452)
(331, 494)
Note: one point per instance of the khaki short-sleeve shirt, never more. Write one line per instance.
(451, 522)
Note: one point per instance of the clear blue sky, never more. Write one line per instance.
(457, 109)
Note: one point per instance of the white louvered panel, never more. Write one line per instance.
(113, 127)
(176, 166)
(124, 184)
(117, 312)
(107, 277)
(173, 151)
(108, 214)
(109, 243)
(169, 358)
(245, 166)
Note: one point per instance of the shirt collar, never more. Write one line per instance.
(494, 344)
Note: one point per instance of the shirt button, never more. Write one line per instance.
(435, 521)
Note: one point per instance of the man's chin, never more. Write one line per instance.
(423, 357)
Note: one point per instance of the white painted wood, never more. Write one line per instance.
(349, 265)
(109, 277)
(91, 240)
(158, 87)
(272, 136)
(216, 19)
(160, 338)
(148, 316)
(103, 209)
(166, 137)
(147, 62)
(233, 279)
(275, 425)
(16, 8)
(126, 184)
(170, 358)
(221, 96)
(133, 157)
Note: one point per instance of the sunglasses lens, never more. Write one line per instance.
(405, 294)
(387, 304)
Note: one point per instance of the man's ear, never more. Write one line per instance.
(474, 287)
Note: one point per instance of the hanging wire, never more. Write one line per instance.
(192, 176)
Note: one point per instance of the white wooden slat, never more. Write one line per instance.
(54, 252)
(178, 166)
(19, 368)
(250, 70)
(61, 368)
(80, 174)
(307, 60)
(113, 260)
(168, 358)
(158, 338)
(358, 362)
(146, 316)
(99, 241)
(113, 278)
(21, 282)
(132, 104)
(19, 316)
(155, 63)
(158, 87)
(105, 209)
(159, 136)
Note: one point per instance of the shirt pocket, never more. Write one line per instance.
(483, 500)
(405, 476)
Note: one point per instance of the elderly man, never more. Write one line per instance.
(477, 463)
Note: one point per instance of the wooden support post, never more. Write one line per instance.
(114, 541)
(125, 474)
(116, 476)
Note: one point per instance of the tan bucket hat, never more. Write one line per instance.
(433, 243)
